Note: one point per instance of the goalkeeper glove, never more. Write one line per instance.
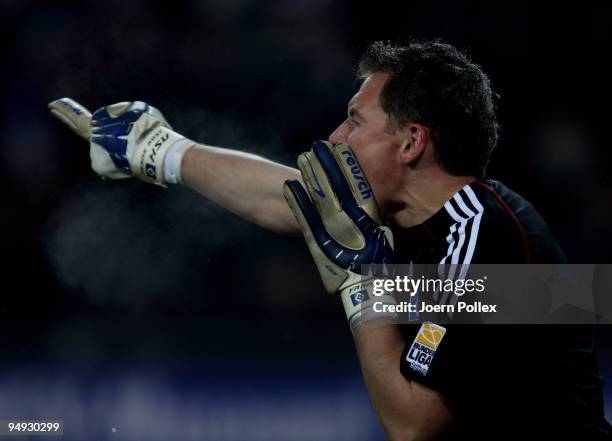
(127, 139)
(341, 226)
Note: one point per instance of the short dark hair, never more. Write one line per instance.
(435, 84)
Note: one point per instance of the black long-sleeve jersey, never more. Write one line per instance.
(503, 381)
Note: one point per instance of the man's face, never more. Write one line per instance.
(366, 131)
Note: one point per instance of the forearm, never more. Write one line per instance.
(407, 410)
(245, 184)
(145, 146)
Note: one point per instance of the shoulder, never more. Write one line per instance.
(511, 230)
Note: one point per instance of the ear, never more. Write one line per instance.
(415, 141)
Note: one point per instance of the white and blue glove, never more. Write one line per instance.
(340, 222)
(127, 139)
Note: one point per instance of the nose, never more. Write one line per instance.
(339, 135)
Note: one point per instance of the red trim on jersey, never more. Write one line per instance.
(428, 231)
(511, 213)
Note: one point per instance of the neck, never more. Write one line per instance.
(424, 195)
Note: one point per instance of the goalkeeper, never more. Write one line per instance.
(421, 128)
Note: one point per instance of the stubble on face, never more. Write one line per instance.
(375, 144)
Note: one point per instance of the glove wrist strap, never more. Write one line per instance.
(173, 161)
(149, 161)
(361, 306)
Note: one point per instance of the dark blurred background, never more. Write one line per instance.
(133, 312)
